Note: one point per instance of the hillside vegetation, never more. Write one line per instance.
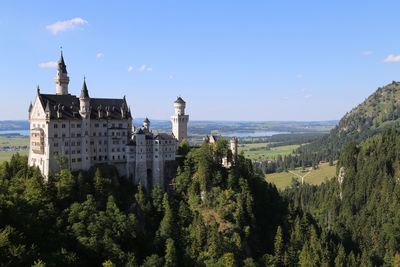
(379, 111)
(364, 210)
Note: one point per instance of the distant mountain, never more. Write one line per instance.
(379, 111)
(203, 128)
(10, 125)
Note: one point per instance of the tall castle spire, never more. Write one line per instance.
(62, 79)
(84, 100)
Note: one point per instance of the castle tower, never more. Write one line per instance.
(84, 110)
(234, 147)
(61, 79)
(179, 120)
(84, 100)
(146, 124)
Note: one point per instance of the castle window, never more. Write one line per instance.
(63, 125)
(55, 144)
(78, 125)
(79, 159)
(99, 142)
(156, 156)
(78, 151)
(96, 125)
(55, 125)
(113, 158)
(94, 158)
(104, 124)
(72, 125)
(120, 125)
(105, 157)
(55, 135)
(94, 134)
(118, 156)
(78, 143)
(73, 160)
(78, 135)
(63, 135)
(66, 143)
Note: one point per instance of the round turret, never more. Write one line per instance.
(61, 79)
(146, 124)
(179, 106)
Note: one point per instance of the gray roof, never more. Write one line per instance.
(180, 100)
(68, 105)
(84, 91)
(164, 136)
(61, 64)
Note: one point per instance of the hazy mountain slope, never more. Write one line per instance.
(379, 111)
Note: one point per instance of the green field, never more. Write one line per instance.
(12, 141)
(259, 151)
(316, 177)
(6, 155)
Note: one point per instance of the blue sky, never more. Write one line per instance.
(230, 60)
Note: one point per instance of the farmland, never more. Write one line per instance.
(315, 177)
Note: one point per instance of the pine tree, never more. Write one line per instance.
(170, 253)
(279, 247)
(167, 222)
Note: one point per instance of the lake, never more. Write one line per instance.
(253, 134)
(20, 132)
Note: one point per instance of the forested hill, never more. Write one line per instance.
(363, 210)
(212, 216)
(379, 111)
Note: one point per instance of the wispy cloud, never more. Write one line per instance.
(392, 58)
(145, 68)
(308, 96)
(65, 25)
(99, 55)
(142, 68)
(48, 65)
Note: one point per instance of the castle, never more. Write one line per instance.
(82, 132)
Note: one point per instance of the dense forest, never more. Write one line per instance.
(210, 215)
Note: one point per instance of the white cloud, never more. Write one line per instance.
(130, 69)
(392, 58)
(61, 26)
(144, 68)
(367, 53)
(48, 65)
(308, 96)
(99, 55)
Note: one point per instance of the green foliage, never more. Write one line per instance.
(212, 216)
